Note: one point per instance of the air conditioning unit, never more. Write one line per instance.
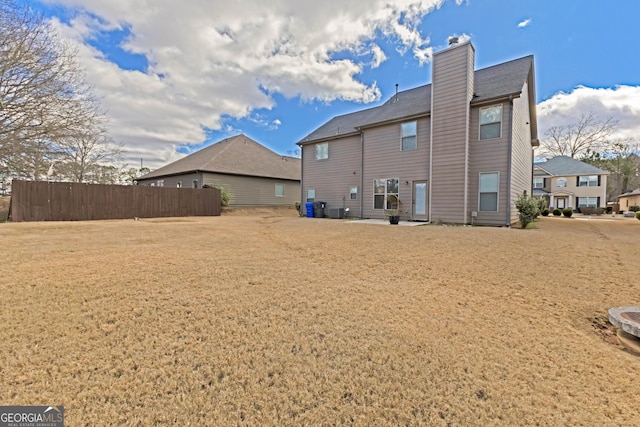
(336, 213)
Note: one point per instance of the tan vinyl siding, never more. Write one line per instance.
(333, 177)
(451, 94)
(384, 158)
(489, 155)
(255, 191)
(522, 151)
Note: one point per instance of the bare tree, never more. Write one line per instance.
(43, 95)
(589, 134)
(86, 148)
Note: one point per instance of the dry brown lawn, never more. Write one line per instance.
(271, 319)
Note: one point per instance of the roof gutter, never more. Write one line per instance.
(509, 97)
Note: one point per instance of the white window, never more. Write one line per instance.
(488, 200)
(409, 136)
(538, 182)
(382, 188)
(311, 194)
(194, 183)
(153, 184)
(322, 151)
(161, 183)
(561, 182)
(588, 181)
(179, 184)
(588, 202)
(279, 190)
(353, 193)
(491, 122)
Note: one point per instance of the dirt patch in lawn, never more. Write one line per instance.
(268, 319)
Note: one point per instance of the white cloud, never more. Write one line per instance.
(209, 58)
(524, 23)
(620, 103)
(378, 56)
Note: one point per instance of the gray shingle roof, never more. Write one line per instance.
(631, 193)
(493, 82)
(238, 155)
(564, 165)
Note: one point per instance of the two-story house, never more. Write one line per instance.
(569, 183)
(458, 150)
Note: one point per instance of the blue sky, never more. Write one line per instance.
(181, 75)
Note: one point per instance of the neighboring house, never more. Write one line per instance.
(629, 199)
(251, 173)
(569, 183)
(459, 150)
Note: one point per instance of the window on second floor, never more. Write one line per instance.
(588, 181)
(322, 151)
(491, 122)
(561, 182)
(409, 136)
(538, 182)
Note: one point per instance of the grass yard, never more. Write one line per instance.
(271, 319)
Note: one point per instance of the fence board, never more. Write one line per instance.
(68, 201)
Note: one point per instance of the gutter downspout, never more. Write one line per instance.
(302, 182)
(361, 173)
(509, 161)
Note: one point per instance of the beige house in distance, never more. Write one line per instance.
(458, 150)
(629, 199)
(569, 183)
(254, 175)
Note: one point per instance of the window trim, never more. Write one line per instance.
(582, 205)
(561, 179)
(541, 181)
(588, 181)
(386, 193)
(276, 190)
(309, 190)
(407, 137)
(322, 151)
(353, 191)
(497, 192)
(480, 124)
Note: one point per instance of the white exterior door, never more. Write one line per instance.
(419, 211)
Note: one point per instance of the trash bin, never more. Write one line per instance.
(309, 206)
(318, 209)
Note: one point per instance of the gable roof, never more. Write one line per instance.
(238, 155)
(564, 165)
(495, 82)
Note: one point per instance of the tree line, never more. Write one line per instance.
(592, 140)
(51, 123)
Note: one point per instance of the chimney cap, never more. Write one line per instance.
(453, 40)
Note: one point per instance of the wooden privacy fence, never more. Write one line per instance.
(68, 201)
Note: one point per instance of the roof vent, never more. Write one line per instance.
(453, 41)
